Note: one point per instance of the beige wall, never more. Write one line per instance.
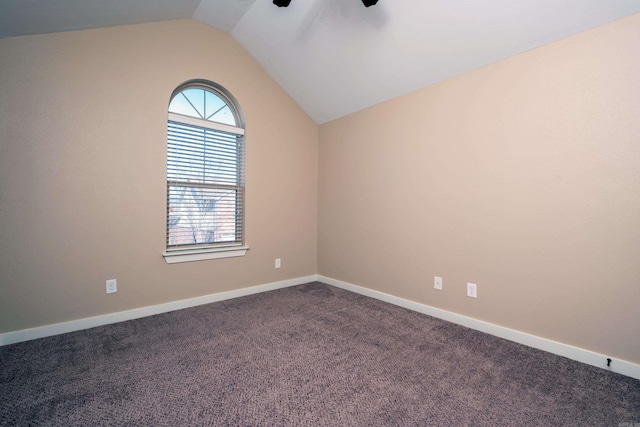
(82, 169)
(522, 177)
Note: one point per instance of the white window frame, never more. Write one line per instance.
(188, 253)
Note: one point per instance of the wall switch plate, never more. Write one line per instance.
(472, 290)
(112, 286)
(437, 283)
(278, 263)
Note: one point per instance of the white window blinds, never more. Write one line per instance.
(205, 182)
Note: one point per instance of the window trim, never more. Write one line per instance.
(181, 118)
(201, 254)
(219, 251)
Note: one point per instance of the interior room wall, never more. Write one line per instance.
(82, 171)
(522, 177)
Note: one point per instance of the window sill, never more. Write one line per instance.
(204, 254)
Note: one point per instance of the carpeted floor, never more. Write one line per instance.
(309, 355)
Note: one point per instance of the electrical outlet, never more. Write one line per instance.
(112, 286)
(278, 263)
(472, 290)
(437, 283)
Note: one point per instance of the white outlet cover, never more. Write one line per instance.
(437, 283)
(112, 286)
(472, 290)
(278, 263)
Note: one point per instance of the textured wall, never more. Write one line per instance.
(522, 177)
(82, 169)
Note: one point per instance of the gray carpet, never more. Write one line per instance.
(304, 356)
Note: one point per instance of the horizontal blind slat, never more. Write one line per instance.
(205, 193)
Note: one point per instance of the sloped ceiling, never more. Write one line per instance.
(335, 57)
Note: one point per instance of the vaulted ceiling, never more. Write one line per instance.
(335, 57)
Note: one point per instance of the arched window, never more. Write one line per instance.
(205, 174)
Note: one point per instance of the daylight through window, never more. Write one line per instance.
(205, 169)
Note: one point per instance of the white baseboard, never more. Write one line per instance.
(91, 322)
(579, 354)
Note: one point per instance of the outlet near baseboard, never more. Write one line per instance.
(112, 286)
(472, 290)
